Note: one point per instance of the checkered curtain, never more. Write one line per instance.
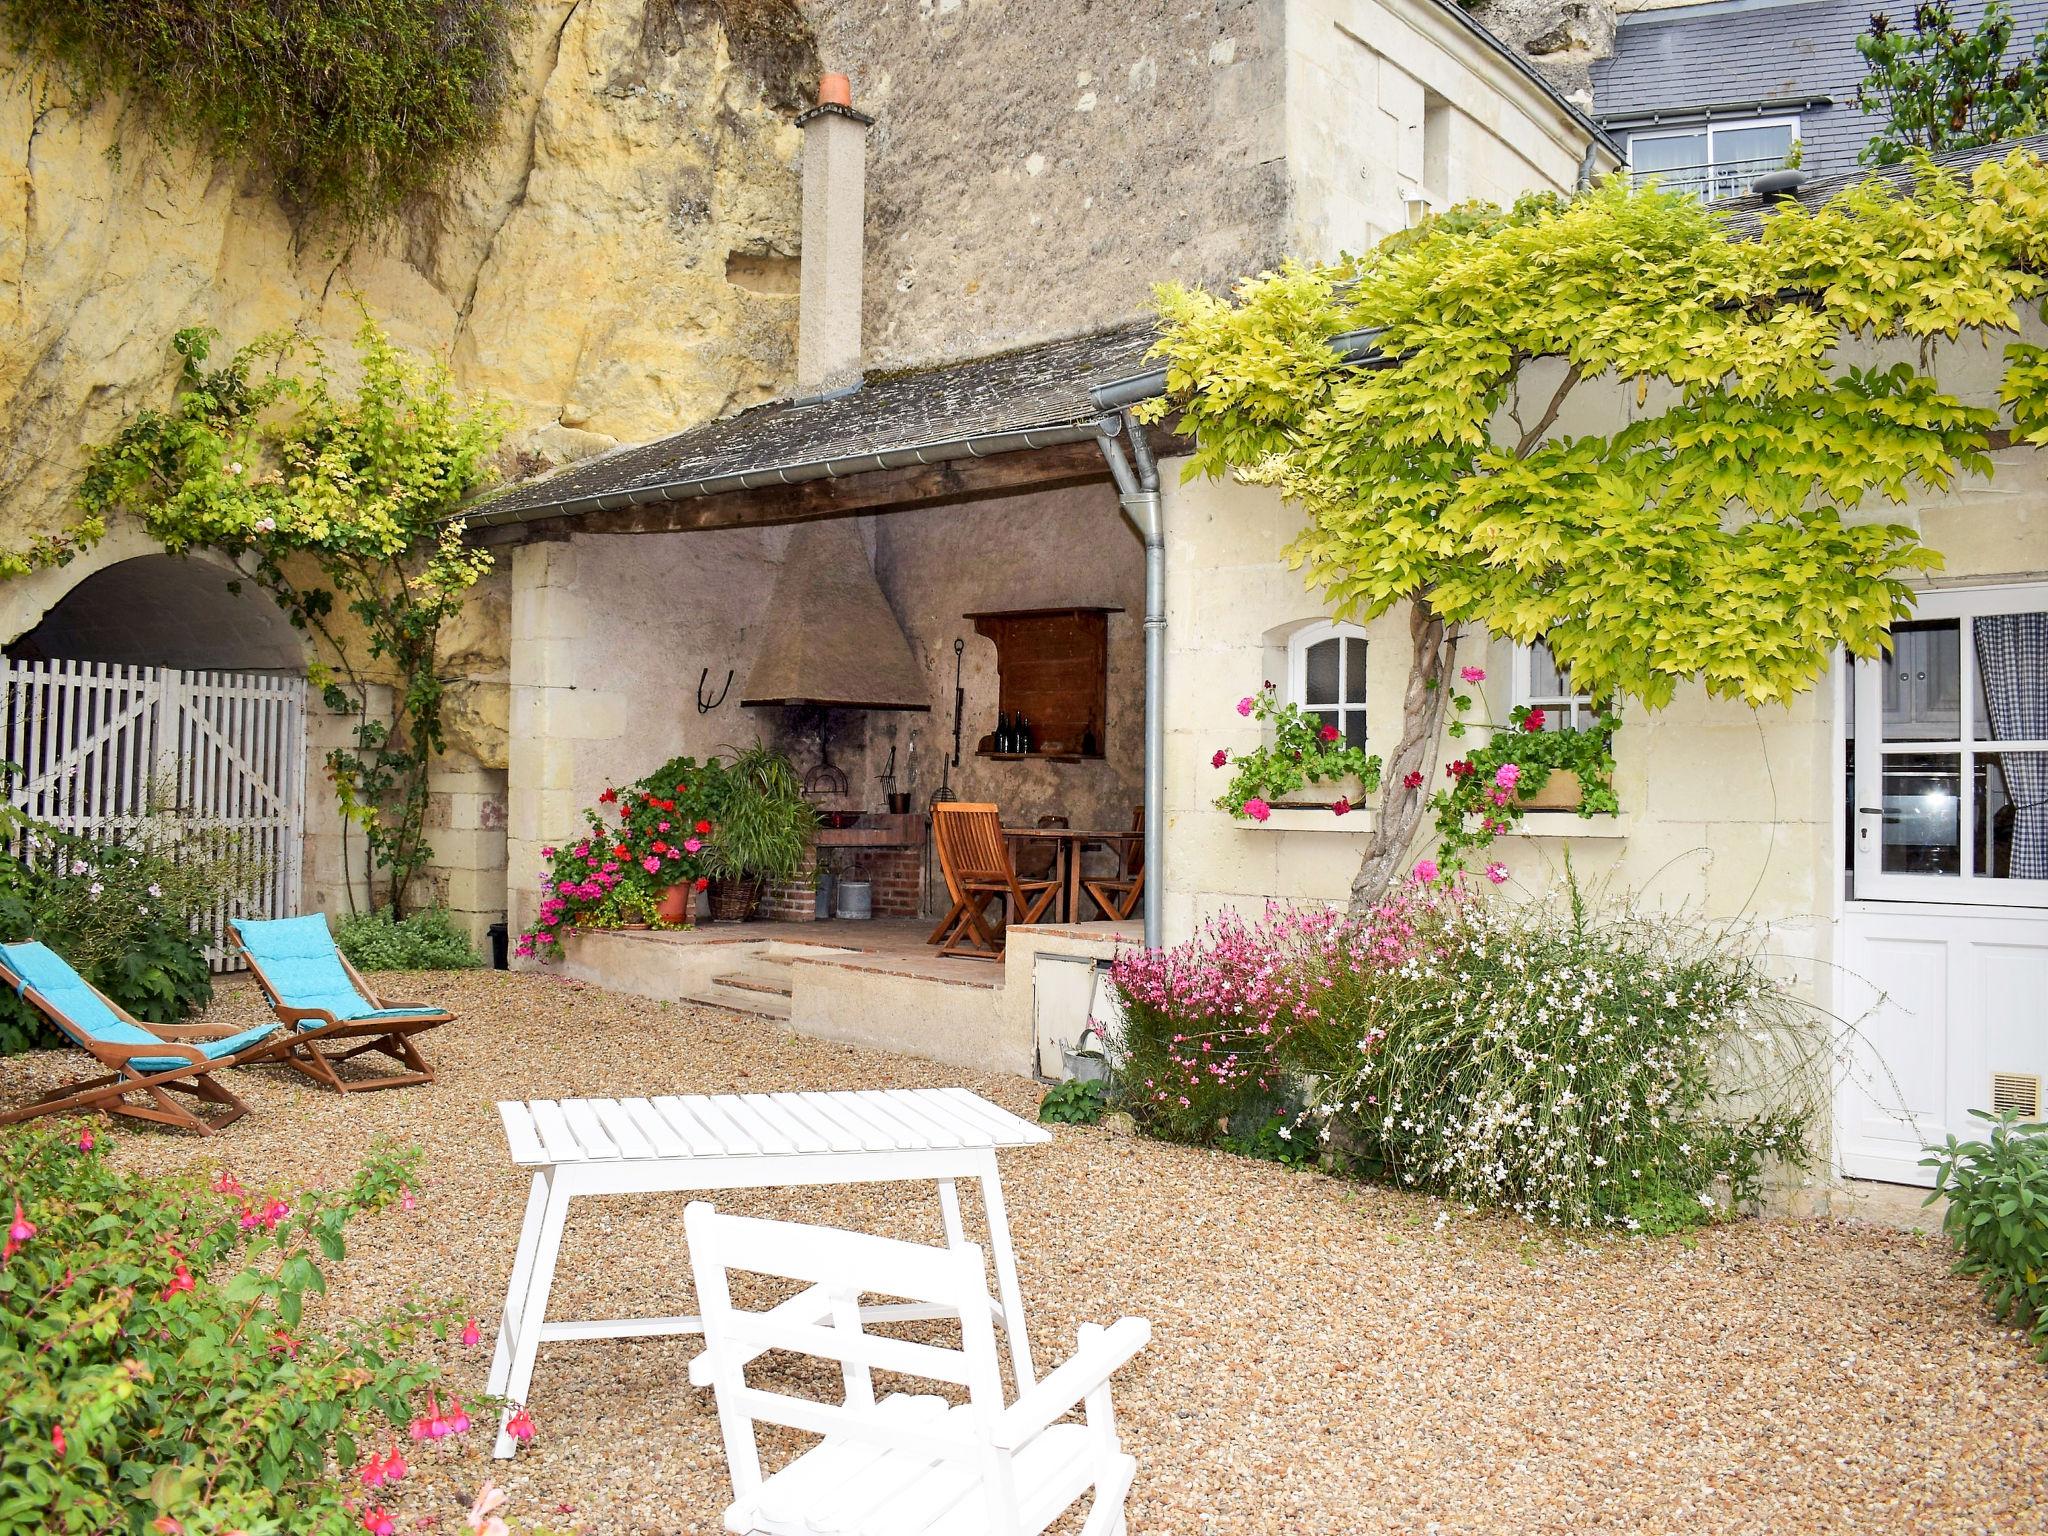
(2012, 658)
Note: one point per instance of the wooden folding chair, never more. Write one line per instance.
(319, 996)
(975, 858)
(152, 1062)
(1118, 895)
(908, 1463)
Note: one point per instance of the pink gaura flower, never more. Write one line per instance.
(1497, 873)
(1219, 759)
(1425, 871)
(1257, 809)
(471, 1334)
(520, 1426)
(1244, 705)
(1507, 775)
(1472, 674)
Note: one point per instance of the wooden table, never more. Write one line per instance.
(692, 1142)
(1067, 864)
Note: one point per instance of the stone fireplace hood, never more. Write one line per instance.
(831, 639)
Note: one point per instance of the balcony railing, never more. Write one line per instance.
(1724, 179)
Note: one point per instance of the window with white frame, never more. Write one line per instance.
(1541, 683)
(1326, 676)
(1712, 160)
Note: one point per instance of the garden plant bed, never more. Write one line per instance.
(1327, 1356)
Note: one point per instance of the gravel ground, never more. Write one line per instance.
(1327, 1357)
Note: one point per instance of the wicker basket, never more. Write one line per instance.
(735, 901)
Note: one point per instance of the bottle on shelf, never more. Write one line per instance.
(1003, 732)
(1022, 735)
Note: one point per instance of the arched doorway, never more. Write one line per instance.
(154, 687)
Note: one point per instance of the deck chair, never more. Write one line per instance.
(908, 1464)
(1118, 895)
(319, 996)
(152, 1062)
(974, 856)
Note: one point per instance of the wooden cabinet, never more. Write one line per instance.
(1052, 666)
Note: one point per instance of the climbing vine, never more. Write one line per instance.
(1703, 516)
(346, 106)
(338, 508)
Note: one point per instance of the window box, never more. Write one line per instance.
(1562, 791)
(1309, 818)
(1570, 824)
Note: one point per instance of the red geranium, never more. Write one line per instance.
(1533, 721)
(1412, 779)
(1328, 733)
(609, 796)
(703, 826)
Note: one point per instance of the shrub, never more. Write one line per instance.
(133, 917)
(1583, 1069)
(424, 941)
(1075, 1103)
(155, 1358)
(1998, 1217)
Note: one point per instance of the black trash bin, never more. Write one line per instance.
(501, 946)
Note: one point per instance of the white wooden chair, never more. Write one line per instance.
(908, 1465)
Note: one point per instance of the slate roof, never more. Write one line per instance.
(1682, 63)
(1745, 215)
(1042, 386)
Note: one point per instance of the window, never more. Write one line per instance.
(1326, 676)
(1542, 684)
(1712, 160)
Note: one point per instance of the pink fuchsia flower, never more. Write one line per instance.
(483, 1514)
(18, 1233)
(57, 1438)
(85, 1140)
(227, 1184)
(520, 1426)
(1244, 705)
(272, 1214)
(405, 1198)
(1425, 871)
(1219, 759)
(458, 1417)
(378, 1522)
(471, 1334)
(1257, 809)
(1472, 674)
(1327, 733)
(1340, 806)
(1497, 873)
(433, 1424)
(1507, 775)
(180, 1282)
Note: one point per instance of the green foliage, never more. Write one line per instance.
(156, 1357)
(1941, 87)
(1303, 751)
(328, 504)
(764, 823)
(1272, 1140)
(1997, 1217)
(1073, 1103)
(1718, 532)
(129, 916)
(1490, 787)
(422, 941)
(346, 106)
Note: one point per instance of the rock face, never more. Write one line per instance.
(1562, 38)
(623, 263)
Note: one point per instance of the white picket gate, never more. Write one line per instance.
(97, 747)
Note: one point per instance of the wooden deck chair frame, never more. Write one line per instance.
(907, 1464)
(974, 857)
(298, 1047)
(1118, 895)
(109, 1093)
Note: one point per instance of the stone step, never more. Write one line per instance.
(756, 981)
(768, 1005)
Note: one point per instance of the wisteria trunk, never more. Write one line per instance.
(1433, 644)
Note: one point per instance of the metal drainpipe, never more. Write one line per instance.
(1138, 494)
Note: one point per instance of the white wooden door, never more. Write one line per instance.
(97, 747)
(1945, 937)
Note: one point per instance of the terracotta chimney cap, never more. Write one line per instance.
(835, 91)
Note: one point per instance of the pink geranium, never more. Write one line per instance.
(1497, 872)
(1219, 759)
(1507, 775)
(1425, 871)
(1257, 809)
(1472, 674)
(1244, 705)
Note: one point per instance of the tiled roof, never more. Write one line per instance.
(1681, 62)
(1038, 386)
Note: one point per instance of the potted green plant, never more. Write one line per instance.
(763, 830)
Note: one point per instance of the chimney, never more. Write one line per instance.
(835, 206)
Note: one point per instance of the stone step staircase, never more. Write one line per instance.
(761, 984)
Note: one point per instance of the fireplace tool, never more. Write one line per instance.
(826, 778)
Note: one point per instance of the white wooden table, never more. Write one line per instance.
(743, 1141)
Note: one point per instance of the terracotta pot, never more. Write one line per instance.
(734, 901)
(1561, 792)
(675, 904)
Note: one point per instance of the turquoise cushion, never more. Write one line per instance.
(298, 958)
(41, 967)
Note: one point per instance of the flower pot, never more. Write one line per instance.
(1560, 792)
(1316, 797)
(734, 900)
(675, 904)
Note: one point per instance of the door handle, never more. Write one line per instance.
(1869, 810)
